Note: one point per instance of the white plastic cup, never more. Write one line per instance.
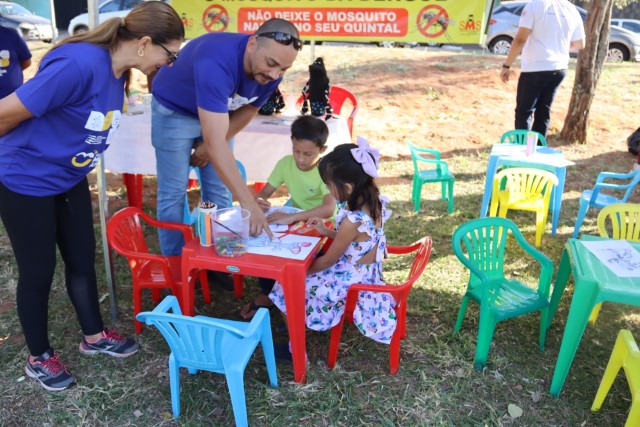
(231, 231)
(145, 99)
(205, 223)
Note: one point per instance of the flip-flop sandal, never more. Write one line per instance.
(253, 309)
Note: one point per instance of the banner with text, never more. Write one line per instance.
(423, 21)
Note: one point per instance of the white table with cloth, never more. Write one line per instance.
(259, 146)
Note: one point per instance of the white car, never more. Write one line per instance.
(27, 24)
(627, 24)
(107, 10)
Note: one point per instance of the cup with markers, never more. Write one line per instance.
(231, 231)
(206, 213)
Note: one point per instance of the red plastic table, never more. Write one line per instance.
(289, 272)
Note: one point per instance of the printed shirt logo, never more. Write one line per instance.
(98, 123)
(238, 101)
(4, 61)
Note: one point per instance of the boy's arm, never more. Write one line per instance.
(326, 210)
(262, 196)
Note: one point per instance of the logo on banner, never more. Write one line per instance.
(433, 21)
(215, 19)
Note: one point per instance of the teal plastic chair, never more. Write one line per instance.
(480, 245)
(438, 172)
(597, 199)
(519, 137)
(215, 345)
(190, 216)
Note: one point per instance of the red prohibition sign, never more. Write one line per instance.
(429, 18)
(213, 17)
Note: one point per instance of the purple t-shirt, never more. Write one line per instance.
(13, 51)
(210, 74)
(76, 102)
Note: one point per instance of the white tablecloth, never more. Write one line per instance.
(264, 141)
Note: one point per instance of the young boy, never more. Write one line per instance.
(299, 172)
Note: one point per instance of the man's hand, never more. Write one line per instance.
(257, 220)
(504, 75)
(199, 158)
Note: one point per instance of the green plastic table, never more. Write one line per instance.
(594, 283)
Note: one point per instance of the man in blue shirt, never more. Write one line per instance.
(211, 93)
(14, 57)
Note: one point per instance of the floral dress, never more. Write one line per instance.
(326, 291)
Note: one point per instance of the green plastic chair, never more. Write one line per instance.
(519, 137)
(480, 245)
(439, 172)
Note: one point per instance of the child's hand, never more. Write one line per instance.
(265, 205)
(318, 225)
(281, 218)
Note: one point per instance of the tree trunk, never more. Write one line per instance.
(588, 70)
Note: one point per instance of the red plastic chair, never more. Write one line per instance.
(150, 271)
(337, 96)
(399, 292)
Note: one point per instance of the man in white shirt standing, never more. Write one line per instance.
(548, 31)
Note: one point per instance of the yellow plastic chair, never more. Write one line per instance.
(625, 224)
(625, 355)
(524, 189)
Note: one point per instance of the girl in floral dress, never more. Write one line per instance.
(357, 251)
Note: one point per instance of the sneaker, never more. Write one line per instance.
(111, 343)
(49, 371)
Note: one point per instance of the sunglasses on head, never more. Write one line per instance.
(283, 38)
(173, 57)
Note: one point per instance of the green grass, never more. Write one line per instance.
(436, 385)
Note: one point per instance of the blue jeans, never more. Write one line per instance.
(173, 135)
(536, 91)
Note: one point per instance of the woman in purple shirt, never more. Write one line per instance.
(53, 130)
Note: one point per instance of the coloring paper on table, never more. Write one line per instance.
(618, 255)
(289, 246)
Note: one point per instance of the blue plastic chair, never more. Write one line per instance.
(215, 345)
(519, 137)
(190, 216)
(599, 200)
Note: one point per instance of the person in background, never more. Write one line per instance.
(14, 58)
(211, 94)
(53, 131)
(548, 31)
(299, 172)
(357, 251)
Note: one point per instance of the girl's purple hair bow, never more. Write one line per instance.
(367, 156)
